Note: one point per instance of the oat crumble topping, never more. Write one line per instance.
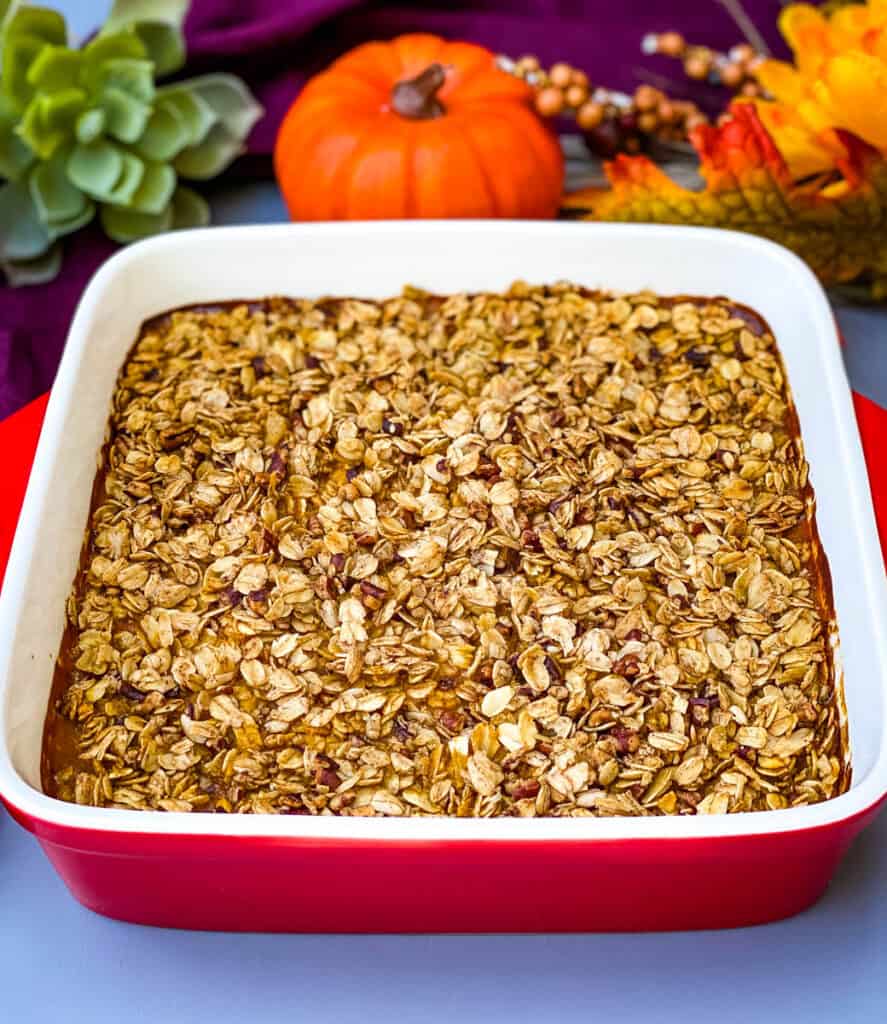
(541, 553)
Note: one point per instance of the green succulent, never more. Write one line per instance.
(86, 131)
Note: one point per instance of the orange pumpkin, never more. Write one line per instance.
(417, 127)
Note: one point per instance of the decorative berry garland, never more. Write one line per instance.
(615, 122)
(734, 70)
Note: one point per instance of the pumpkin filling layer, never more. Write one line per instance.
(547, 552)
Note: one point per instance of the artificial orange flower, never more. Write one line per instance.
(806, 152)
(838, 80)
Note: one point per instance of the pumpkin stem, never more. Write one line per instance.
(416, 98)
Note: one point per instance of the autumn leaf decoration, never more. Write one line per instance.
(837, 223)
(807, 166)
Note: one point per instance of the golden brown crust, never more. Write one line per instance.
(547, 552)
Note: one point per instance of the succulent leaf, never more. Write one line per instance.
(18, 53)
(25, 34)
(156, 189)
(236, 111)
(105, 172)
(39, 22)
(95, 167)
(230, 99)
(197, 115)
(190, 209)
(24, 235)
(39, 270)
(129, 75)
(90, 125)
(63, 107)
(159, 26)
(124, 45)
(16, 156)
(72, 224)
(125, 117)
(54, 68)
(165, 135)
(7, 9)
(55, 197)
(210, 157)
(187, 209)
(125, 225)
(132, 171)
(47, 119)
(164, 44)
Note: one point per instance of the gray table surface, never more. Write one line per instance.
(829, 964)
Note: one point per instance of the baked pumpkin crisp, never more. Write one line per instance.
(547, 552)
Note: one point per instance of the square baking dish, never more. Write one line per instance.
(300, 873)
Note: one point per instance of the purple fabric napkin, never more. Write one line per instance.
(276, 44)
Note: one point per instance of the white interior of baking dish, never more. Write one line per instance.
(376, 260)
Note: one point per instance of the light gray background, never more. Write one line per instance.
(59, 961)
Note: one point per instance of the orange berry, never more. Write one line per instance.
(549, 101)
(695, 121)
(671, 44)
(528, 63)
(697, 66)
(646, 97)
(732, 75)
(579, 78)
(560, 75)
(666, 112)
(742, 53)
(576, 95)
(750, 89)
(590, 115)
(648, 122)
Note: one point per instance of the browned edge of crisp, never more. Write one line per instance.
(825, 596)
(59, 735)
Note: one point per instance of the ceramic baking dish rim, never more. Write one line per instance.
(31, 803)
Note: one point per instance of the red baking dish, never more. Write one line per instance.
(299, 873)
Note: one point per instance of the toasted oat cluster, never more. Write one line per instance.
(545, 552)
